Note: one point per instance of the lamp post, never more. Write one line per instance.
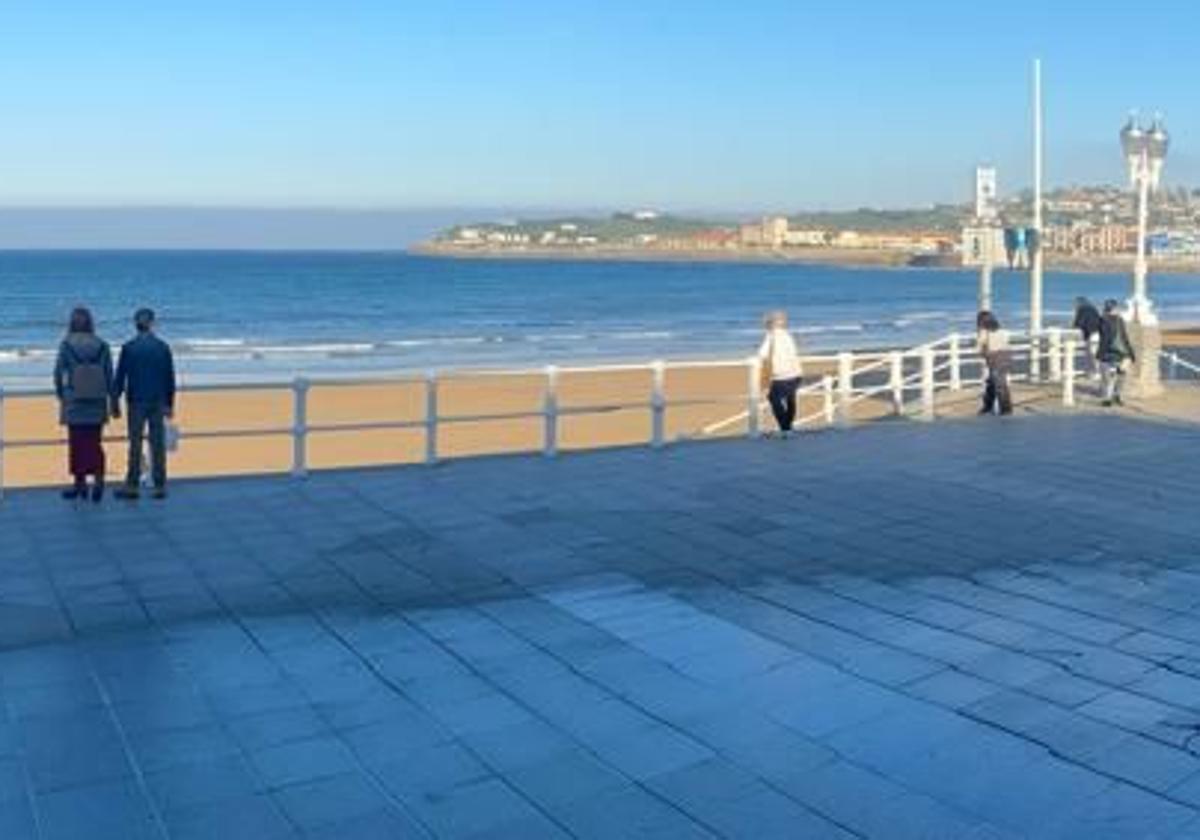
(1145, 152)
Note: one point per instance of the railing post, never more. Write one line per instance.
(927, 382)
(827, 395)
(845, 383)
(897, 382)
(753, 398)
(1035, 357)
(1, 443)
(955, 363)
(550, 412)
(658, 404)
(1056, 354)
(1068, 371)
(1172, 374)
(431, 417)
(300, 387)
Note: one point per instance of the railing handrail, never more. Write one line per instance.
(940, 366)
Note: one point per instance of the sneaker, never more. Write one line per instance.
(1117, 400)
(1106, 403)
(97, 493)
(127, 493)
(159, 493)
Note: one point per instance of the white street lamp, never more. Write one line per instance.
(1145, 152)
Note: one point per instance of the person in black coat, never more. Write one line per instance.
(1087, 321)
(146, 377)
(1114, 352)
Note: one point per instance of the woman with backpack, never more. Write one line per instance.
(83, 380)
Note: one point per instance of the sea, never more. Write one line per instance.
(237, 316)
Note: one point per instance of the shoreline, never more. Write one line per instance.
(833, 257)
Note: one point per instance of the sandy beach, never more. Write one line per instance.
(598, 409)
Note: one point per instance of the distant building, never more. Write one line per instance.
(805, 238)
(645, 215)
(768, 232)
(985, 193)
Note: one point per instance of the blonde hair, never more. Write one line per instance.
(775, 318)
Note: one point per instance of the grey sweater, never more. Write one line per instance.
(76, 349)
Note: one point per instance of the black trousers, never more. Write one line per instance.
(782, 398)
(143, 419)
(996, 391)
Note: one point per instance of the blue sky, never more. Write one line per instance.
(697, 105)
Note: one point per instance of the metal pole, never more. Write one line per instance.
(431, 417)
(897, 382)
(1035, 272)
(1055, 357)
(927, 383)
(753, 397)
(658, 404)
(1068, 365)
(827, 394)
(300, 427)
(955, 363)
(845, 382)
(550, 436)
(1139, 268)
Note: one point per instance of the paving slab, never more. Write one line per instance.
(904, 630)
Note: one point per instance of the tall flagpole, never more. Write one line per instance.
(1035, 308)
(1035, 272)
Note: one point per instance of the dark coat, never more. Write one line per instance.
(77, 349)
(146, 372)
(1115, 346)
(1087, 320)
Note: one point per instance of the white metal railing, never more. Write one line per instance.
(1176, 363)
(895, 376)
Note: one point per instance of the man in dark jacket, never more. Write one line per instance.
(1087, 321)
(1115, 350)
(146, 376)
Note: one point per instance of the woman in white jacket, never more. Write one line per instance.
(781, 366)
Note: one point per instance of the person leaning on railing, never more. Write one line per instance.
(992, 342)
(1088, 322)
(780, 370)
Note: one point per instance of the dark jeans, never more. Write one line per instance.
(996, 391)
(782, 397)
(142, 418)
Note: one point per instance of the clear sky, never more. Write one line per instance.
(779, 104)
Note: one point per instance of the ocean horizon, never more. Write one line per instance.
(252, 314)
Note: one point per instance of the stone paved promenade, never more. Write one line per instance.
(975, 629)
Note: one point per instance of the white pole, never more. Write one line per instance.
(955, 363)
(753, 397)
(1035, 272)
(845, 382)
(827, 393)
(1068, 364)
(431, 417)
(927, 383)
(897, 382)
(299, 427)
(550, 437)
(1055, 355)
(1139, 268)
(658, 404)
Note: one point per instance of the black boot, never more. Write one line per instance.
(79, 490)
(98, 490)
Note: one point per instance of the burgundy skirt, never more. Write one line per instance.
(85, 452)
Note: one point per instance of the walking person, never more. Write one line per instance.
(146, 377)
(780, 370)
(1087, 321)
(83, 380)
(992, 342)
(1115, 351)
